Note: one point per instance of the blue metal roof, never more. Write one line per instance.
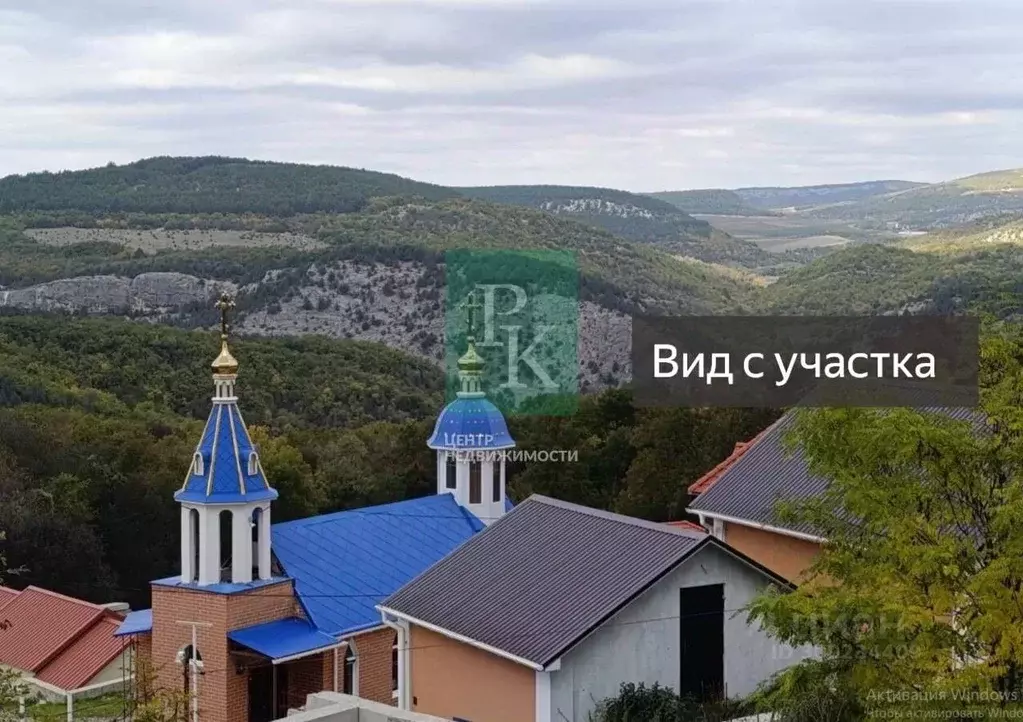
(283, 638)
(345, 563)
(471, 422)
(139, 622)
(226, 451)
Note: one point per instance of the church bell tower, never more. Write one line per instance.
(225, 499)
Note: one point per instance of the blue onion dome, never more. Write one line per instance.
(471, 421)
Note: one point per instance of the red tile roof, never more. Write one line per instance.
(686, 524)
(710, 478)
(86, 657)
(42, 625)
(7, 595)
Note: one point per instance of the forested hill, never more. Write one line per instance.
(711, 201)
(208, 185)
(640, 218)
(808, 196)
(114, 366)
(940, 205)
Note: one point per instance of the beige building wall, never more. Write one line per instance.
(452, 679)
(784, 555)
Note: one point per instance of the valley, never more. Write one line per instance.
(362, 255)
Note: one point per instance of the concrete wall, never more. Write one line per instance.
(335, 707)
(784, 555)
(641, 643)
(452, 679)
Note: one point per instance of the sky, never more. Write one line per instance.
(642, 95)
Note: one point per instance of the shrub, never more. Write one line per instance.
(639, 703)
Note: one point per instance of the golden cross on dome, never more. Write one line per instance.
(225, 304)
(471, 305)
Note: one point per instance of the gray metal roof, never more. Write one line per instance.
(543, 576)
(768, 472)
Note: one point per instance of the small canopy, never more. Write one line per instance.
(139, 622)
(284, 639)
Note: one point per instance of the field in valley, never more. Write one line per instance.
(789, 232)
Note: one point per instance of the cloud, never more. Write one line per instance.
(648, 95)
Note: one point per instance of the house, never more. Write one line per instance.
(550, 609)
(275, 612)
(61, 644)
(737, 500)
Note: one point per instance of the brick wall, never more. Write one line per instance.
(223, 692)
(375, 656)
(305, 676)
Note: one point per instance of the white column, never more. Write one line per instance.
(241, 545)
(542, 712)
(403, 676)
(264, 543)
(187, 540)
(209, 545)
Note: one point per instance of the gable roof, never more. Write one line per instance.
(6, 595)
(543, 576)
(86, 657)
(766, 472)
(686, 524)
(710, 478)
(46, 626)
(345, 563)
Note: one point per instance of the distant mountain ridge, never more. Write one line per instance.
(640, 218)
(817, 195)
(712, 201)
(938, 205)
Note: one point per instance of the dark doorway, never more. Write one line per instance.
(261, 708)
(702, 642)
(282, 691)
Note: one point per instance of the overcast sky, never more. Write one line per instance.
(635, 94)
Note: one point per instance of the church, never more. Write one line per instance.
(274, 612)
(456, 604)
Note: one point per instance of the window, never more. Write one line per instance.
(226, 520)
(451, 471)
(253, 463)
(348, 686)
(255, 522)
(475, 482)
(394, 666)
(497, 480)
(197, 464)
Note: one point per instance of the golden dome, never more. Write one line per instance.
(225, 364)
(471, 362)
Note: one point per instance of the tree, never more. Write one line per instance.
(149, 702)
(917, 596)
